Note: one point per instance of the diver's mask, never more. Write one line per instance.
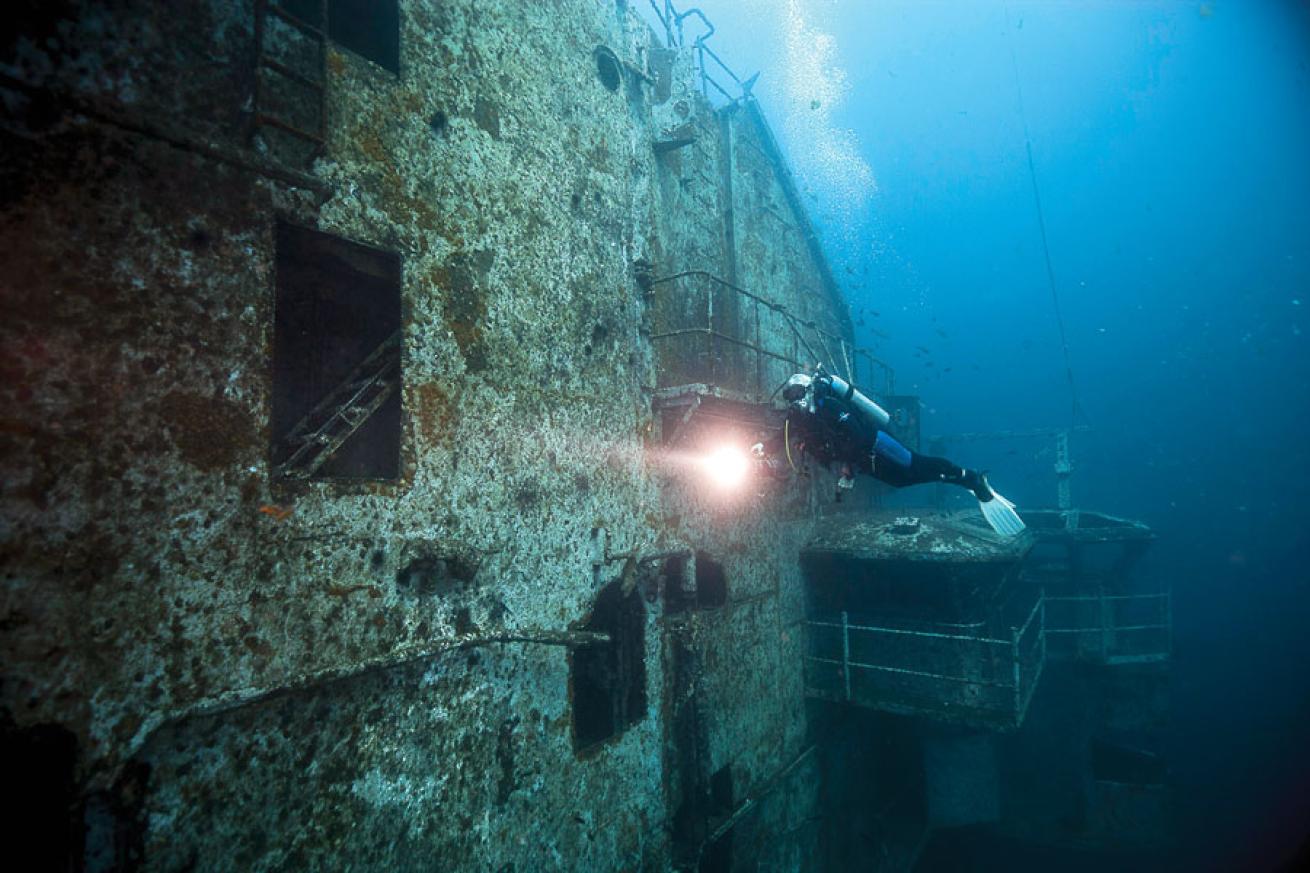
(799, 393)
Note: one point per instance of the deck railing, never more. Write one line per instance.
(953, 673)
(709, 66)
(1114, 628)
(713, 332)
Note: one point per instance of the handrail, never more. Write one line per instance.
(1113, 627)
(1014, 671)
(1164, 595)
(889, 373)
(1103, 621)
(664, 21)
(905, 671)
(912, 633)
(680, 16)
(841, 361)
(671, 20)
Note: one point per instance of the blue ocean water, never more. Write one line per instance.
(1169, 145)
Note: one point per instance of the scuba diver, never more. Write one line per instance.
(834, 423)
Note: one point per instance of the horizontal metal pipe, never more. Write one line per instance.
(776, 307)
(706, 331)
(910, 633)
(1109, 597)
(1101, 629)
(901, 670)
(243, 697)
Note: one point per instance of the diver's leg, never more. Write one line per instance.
(930, 469)
(900, 467)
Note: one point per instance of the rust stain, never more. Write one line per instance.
(432, 413)
(212, 433)
(277, 513)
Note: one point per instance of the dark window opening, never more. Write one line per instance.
(336, 359)
(609, 680)
(687, 749)
(717, 856)
(678, 597)
(721, 792)
(40, 765)
(711, 583)
(367, 27)
(607, 69)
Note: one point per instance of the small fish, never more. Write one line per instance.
(924, 351)
(941, 333)
(277, 513)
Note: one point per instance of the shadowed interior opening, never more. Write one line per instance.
(39, 764)
(608, 681)
(338, 302)
(367, 27)
(711, 582)
(607, 69)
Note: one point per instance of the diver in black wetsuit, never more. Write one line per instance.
(831, 421)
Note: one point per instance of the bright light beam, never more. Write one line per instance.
(726, 467)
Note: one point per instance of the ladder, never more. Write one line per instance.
(325, 429)
(263, 116)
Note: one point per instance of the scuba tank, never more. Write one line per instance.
(838, 387)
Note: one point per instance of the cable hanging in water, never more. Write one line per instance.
(1075, 407)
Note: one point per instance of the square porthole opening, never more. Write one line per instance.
(711, 582)
(608, 680)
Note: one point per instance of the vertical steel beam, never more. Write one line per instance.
(1063, 471)
(846, 652)
(1016, 635)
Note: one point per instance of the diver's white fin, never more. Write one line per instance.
(1000, 514)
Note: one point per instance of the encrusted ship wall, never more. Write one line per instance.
(208, 665)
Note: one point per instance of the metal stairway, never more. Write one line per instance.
(263, 115)
(326, 428)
